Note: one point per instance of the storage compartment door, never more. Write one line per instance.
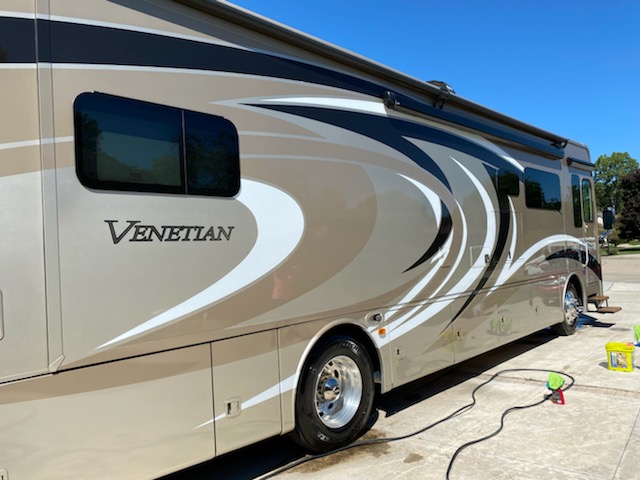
(246, 390)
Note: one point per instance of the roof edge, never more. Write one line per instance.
(258, 23)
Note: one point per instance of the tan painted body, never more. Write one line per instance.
(135, 357)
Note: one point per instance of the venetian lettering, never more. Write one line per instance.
(136, 231)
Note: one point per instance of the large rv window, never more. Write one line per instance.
(575, 193)
(124, 144)
(542, 189)
(586, 201)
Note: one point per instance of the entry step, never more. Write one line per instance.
(608, 309)
(598, 298)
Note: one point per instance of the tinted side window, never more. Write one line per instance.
(506, 179)
(509, 182)
(586, 201)
(211, 145)
(575, 194)
(542, 189)
(128, 145)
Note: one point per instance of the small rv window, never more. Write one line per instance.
(506, 180)
(586, 201)
(575, 192)
(509, 182)
(211, 145)
(542, 189)
(129, 145)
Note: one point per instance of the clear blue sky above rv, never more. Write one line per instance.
(571, 67)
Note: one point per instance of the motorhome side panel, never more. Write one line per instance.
(137, 418)
(320, 207)
(351, 177)
(220, 187)
(246, 411)
(23, 327)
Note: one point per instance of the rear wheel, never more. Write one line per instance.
(335, 395)
(571, 309)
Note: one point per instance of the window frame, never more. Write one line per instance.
(587, 201)
(555, 206)
(95, 99)
(576, 200)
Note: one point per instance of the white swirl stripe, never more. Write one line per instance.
(434, 202)
(402, 325)
(338, 103)
(531, 251)
(272, 392)
(269, 205)
(431, 196)
(34, 143)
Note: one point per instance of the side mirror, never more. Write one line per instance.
(608, 218)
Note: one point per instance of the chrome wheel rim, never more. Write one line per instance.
(571, 310)
(338, 391)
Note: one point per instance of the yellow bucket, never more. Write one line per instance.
(620, 356)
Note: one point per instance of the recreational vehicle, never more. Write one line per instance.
(215, 229)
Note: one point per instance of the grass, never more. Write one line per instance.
(631, 247)
(619, 251)
(629, 251)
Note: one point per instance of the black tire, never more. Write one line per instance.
(571, 304)
(335, 395)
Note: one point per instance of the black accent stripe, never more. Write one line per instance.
(386, 130)
(446, 226)
(546, 149)
(383, 74)
(17, 40)
(63, 42)
(579, 256)
(503, 231)
(595, 266)
(392, 132)
(89, 44)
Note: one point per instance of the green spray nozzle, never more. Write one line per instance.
(555, 381)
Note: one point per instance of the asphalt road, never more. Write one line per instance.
(596, 436)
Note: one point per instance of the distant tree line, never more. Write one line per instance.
(617, 182)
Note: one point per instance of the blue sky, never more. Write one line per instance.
(568, 66)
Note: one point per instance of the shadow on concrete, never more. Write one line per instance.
(588, 320)
(245, 464)
(408, 395)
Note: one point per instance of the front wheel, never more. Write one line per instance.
(571, 309)
(335, 395)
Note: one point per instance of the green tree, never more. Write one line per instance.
(629, 218)
(610, 169)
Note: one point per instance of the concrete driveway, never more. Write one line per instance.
(594, 436)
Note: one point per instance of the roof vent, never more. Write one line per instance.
(443, 95)
(442, 85)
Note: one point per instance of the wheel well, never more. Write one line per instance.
(575, 281)
(357, 333)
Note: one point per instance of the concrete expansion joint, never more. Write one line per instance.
(503, 378)
(606, 391)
